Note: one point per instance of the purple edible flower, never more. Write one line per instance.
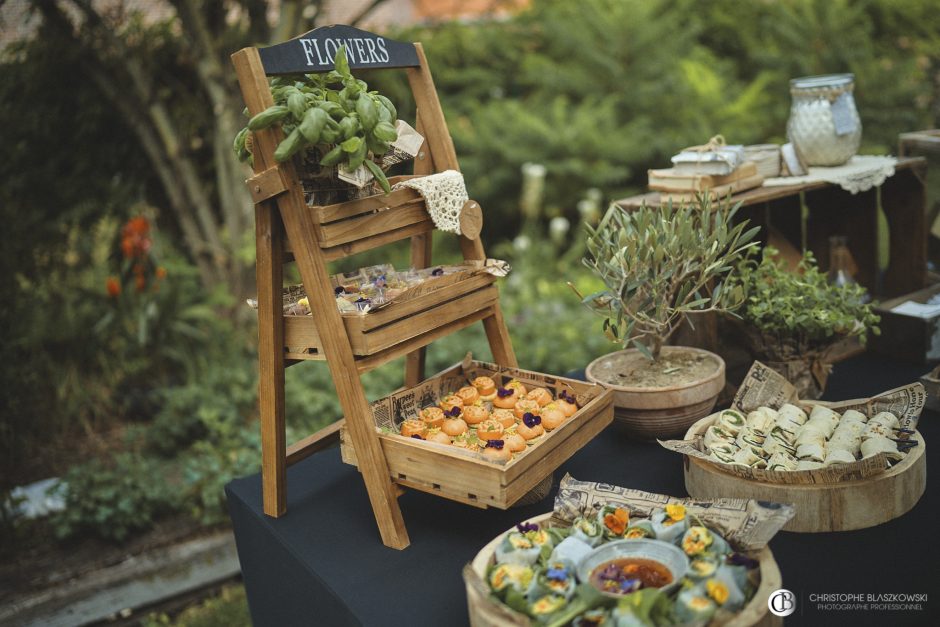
(417, 437)
(503, 392)
(380, 282)
(563, 395)
(453, 412)
(339, 290)
(437, 272)
(557, 574)
(531, 419)
(497, 444)
(526, 527)
(630, 585)
(737, 559)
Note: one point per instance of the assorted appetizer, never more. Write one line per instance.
(789, 439)
(497, 422)
(536, 572)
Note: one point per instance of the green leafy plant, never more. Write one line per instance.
(661, 264)
(347, 124)
(792, 314)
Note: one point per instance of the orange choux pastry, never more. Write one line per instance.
(530, 427)
(514, 442)
(497, 450)
(517, 387)
(486, 387)
(468, 394)
(505, 416)
(524, 406)
(475, 414)
(432, 416)
(437, 435)
(454, 426)
(490, 430)
(505, 398)
(540, 395)
(552, 416)
(449, 402)
(413, 427)
(567, 403)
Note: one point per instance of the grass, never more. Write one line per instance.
(228, 608)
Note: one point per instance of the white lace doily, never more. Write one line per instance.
(860, 174)
(445, 195)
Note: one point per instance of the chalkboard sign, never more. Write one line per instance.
(314, 51)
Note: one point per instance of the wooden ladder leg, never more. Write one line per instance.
(269, 241)
(498, 335)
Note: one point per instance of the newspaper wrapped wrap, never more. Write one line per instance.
(747, 524)
(763, 387)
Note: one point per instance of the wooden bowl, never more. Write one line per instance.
(485, 612)
(819, 507)
(649, 413)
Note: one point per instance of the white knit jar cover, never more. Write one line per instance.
(445, 195)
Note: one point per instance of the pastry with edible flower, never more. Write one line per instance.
(530, 427)
(468, 394)
(526, 406)
(414, 427)
(670, 523)
(504, 416)
(514, 441)
(540, 395)
(486, 387)
(450, 402)
(505, 398)
(432, 416)
(468, 440)
(497, 450)
(614, 520)
(552, 416)
(517, 387)
(475, 414)
(437, 435)
(454, 426)
(522, 545)
(490, 430)
(567, 403)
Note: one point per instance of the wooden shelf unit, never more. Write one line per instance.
(287, 229)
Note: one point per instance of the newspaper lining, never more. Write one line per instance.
(746, 523)
(762, 386)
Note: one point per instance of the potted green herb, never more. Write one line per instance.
(791, 320)
(330, 121)
(660, 265)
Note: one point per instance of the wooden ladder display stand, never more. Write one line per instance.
(286, 229)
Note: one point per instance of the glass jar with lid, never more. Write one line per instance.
(824, 125)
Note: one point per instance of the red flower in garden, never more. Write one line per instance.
(113, 287)
(135, 238)
(161, 272)
(140, 282)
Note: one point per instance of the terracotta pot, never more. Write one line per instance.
(662, 412)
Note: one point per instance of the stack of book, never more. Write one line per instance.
(716, 173)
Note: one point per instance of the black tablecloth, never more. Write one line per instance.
(324, 564)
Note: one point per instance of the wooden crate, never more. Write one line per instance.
(379, 330)
(908, 338)
(468, 477)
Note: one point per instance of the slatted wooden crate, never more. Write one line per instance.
(466, 476)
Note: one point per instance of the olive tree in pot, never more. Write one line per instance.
(660, 264)
(791, 321)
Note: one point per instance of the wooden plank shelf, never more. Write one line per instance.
(289, 230)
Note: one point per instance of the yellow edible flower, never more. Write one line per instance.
(675, 511)
(717, 591)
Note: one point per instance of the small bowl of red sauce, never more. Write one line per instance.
(624, 566)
